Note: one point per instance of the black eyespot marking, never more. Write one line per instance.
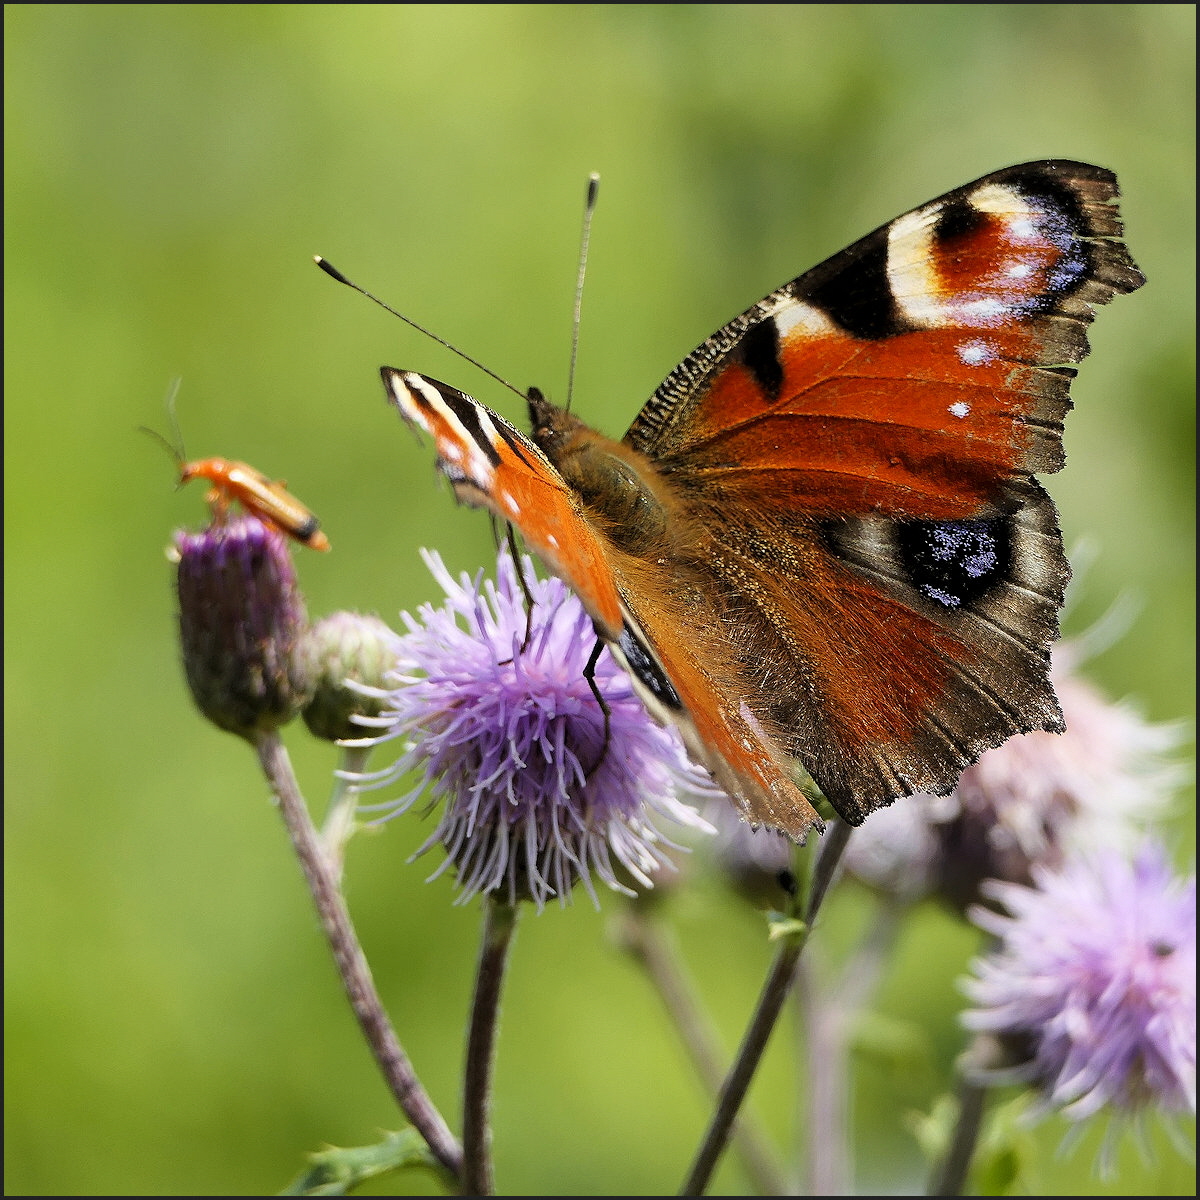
(859, 297)
(958, 218)
(954, 563)
(760, 352)
(1051, 195)
(1062, 223)
(642, 663)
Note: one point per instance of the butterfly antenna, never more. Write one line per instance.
(589, 207)
(331, 270)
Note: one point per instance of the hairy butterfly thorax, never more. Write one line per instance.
(619, 488)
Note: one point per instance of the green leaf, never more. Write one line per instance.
(337, 1170)
(933, 1131)
(1006, 1152)
(995, 1173)
(780, 926)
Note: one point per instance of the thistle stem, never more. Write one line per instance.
(949, 1177)
(343, 806)
(827, 1170)
(766, 1014)
(828, 1013)
(352, 965)
(499, 925)
(645, 941)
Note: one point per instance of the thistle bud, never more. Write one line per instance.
(342, 649)
(241, 622)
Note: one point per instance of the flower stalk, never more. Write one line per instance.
(499, 925)
(644, 940)
(828, 1012)
(766, 1014)
(949, 1177)
(352, 965)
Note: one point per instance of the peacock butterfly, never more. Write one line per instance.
(820, 549)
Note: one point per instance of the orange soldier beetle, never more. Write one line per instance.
(267, 499)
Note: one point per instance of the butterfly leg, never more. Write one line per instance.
(589, 673)
(511, 538)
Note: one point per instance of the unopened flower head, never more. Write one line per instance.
(348, 653)
(496, 711)
(1033, 800)
(1093, 983)
(241, 622)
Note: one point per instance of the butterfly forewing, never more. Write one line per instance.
(981, 293)
(492, 465)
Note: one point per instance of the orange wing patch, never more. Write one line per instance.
(491, 465)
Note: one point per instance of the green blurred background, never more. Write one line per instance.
(173, 1024)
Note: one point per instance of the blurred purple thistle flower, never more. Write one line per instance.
(755, 861)
(498, 716)
(1093, 984)
(1034, 800)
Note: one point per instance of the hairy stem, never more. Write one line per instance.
(343, 805)
(351, 962)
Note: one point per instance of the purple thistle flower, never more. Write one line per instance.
(241, 625)
(1093, 983)
(496, 712)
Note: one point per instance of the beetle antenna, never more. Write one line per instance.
(175, 447)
